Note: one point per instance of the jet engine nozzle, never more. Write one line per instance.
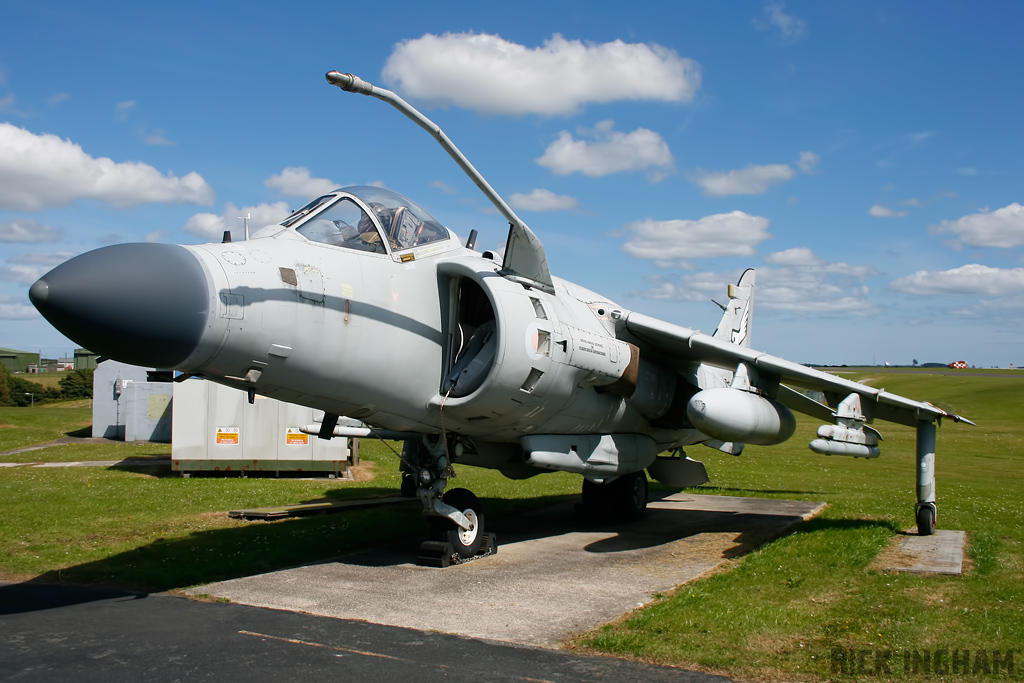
(144, 304)
(732, 415)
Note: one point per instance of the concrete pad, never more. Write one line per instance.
(554, 576)
(940, 553)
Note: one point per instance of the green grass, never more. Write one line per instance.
(46, 379)
(90, 451)
(119, 526)
(21, 427)
(779, 611)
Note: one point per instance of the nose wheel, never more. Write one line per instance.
(465, 542)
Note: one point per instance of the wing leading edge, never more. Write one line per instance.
(682, 343)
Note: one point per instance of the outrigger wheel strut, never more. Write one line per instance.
(925, 510)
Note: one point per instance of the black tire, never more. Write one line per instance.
(630, 496)
(595, 497)
(408, 485)
(925, 521)
(623, 499)
(465, 542)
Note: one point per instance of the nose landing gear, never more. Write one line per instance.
(456, 519)
(465, 542)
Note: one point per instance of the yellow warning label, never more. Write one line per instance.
(293, 437)
(227, 436)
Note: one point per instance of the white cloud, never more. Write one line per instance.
(7, 106)
(156, 236)
(797, 256)
(14, 309)
(57, 98)
(123, 109)
(808, 162)
(967, 171)
(610, 152)
(21, 273)
(970, 280)
(879, 211)
(444, 187)
(211, 227)
(901, 145)
(494, 76)
(790, 29)
(675, 242)
(158, 137)
(49, 259)
(750, 180)
(1000, 228)
(803, 284)
(804, 261)
(296, 181)
(542, 200)
(1008, 309)
(43, 171)
(21, 230)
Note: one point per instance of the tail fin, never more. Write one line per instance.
(736, 323)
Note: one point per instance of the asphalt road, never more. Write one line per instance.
(51, 633)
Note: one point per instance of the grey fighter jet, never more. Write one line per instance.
(363, 305)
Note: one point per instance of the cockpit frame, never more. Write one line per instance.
(371, 220)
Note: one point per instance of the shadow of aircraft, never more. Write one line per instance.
(379, 536)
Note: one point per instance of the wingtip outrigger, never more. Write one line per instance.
(525, 260)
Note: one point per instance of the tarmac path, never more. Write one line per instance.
(53, 633)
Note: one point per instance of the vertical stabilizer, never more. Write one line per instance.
(736, 322)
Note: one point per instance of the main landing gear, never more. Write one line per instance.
(456, 518)
(624, 498)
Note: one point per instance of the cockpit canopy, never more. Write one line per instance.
(367, 218)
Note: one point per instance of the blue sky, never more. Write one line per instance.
(865, 157)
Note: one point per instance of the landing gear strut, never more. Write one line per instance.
(456, 520)
(925, 510)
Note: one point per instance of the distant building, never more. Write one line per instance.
(18, 361)
(85, 359)
(958, 365)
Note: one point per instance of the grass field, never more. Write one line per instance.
(21, 427)
(779, 613)
(47, 379)
(776, 614)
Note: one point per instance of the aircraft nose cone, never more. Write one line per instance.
(144, 304)
(38, 293)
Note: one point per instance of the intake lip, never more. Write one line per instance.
(144, 304)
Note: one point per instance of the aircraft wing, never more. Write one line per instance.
(683, 343)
